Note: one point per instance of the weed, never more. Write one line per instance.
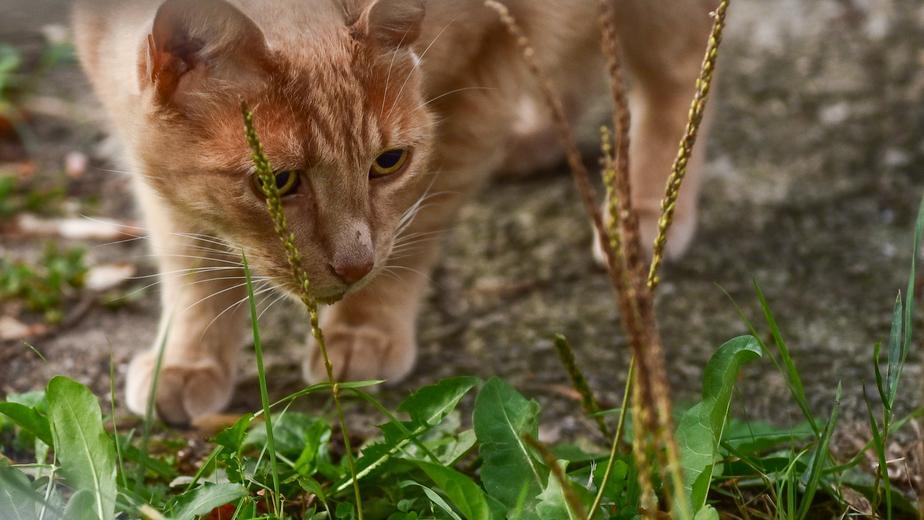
(45, 286)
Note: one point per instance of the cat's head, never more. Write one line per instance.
(338, 106)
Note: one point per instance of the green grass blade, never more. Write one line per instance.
(261, 376)
(115, 425)
(883, 472)
(819, 459)
(881, 384)
(887, 392)
(909, 302)
(793, 379)
(152, 396)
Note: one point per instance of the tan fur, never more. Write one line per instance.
(333, 83)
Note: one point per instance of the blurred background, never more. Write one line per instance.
(815, 171)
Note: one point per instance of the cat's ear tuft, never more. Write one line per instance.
(393, 23)
(195, 41)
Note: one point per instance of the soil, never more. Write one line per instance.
(815, 171)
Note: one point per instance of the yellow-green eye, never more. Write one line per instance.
(287, 182)
(389, 162)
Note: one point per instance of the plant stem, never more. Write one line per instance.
(573, 502)
(679, 168)
(579, 382)
(614, 448)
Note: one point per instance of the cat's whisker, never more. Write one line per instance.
(410, 269)
(386, 272)
(262, 290)
(391, 64)
(419, 62)
(193, 257)
(411, 213)
(118, 242)
(140, 290)
(114, 171)
(214, 294)
(191, 270)
(121, 225)
(456, 91)
(211, 240)
(270, 306)
(413, 244)
(405, 239)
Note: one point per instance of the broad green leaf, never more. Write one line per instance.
(205, 498)
(458, 447)
(468, 498)
(435, 402)
(701, 427)
(35, 400)
(233, 436)
(435, 498)
(707, 513)
(501, 417)
(432, 403)
(292, 431)
(755, 437)
(85, 451)
(552, 503)
(82, 506)
(28, 419)
(18, 500)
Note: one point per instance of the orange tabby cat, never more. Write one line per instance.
(381, 117)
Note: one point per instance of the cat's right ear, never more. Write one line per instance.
(196, 44)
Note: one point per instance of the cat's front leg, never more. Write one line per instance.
(202, 296)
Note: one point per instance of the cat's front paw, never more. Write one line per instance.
(185, 392)
(362, 353)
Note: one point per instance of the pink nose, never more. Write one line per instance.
(353, 271)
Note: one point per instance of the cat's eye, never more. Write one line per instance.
(287, 182)
(389, 162)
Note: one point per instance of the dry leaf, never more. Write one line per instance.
(73, 228)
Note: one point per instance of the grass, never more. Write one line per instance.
(429, 463)
(425, 464)
(45, 285)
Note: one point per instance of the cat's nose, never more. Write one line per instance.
(354, 270)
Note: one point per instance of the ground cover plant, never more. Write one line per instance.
(431, 462)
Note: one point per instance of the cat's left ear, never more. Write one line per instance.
(392, 24)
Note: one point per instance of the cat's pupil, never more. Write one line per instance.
(389, 159)
(282, 179)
